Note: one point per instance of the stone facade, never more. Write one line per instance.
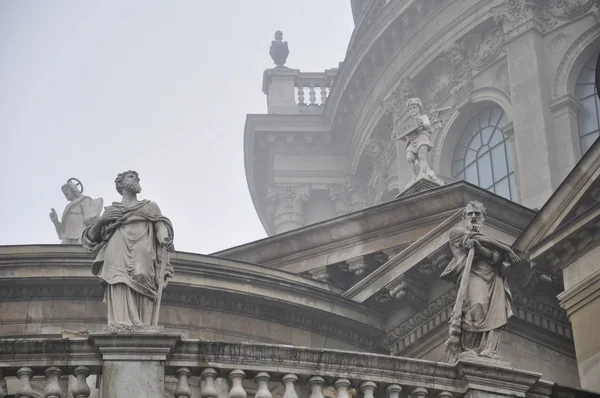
(345, 298)
(523, 57)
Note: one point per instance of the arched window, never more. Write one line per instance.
(589, 113)
(483, 155)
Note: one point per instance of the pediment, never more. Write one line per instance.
(574, 205)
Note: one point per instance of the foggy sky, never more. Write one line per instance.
(89, 89)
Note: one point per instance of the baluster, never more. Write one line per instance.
(315, 384)
(290, 380)
(419, 392)
(208, 390)
(81, 389)
(262, 381)
(25, 390)
(236, 377)
(183, 388)
(301, 94)
(444, 394)
(323, 93)
(367, 388)
(2, 392)
(52, 389)
(393, 391)
(341, 388)
(311, 94)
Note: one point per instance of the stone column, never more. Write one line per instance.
(133, 363)
(535, 140)
(565, 110)
(285, 206)
(279, 85)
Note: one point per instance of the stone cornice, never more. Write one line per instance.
(201, 282)
(562, 201)
(565, 101)
(387, 218)
(581, 294)
(534, 313)
(265, 130)
(387, 275)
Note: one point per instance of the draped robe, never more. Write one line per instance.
(487, 304)
(74, 220)
(128, 261)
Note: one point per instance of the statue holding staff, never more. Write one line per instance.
(131, 240)
(483, 302)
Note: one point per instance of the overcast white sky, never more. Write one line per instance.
(89, 89)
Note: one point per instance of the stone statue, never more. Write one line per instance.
(483, 303)
(81, 212)
(131, 240)
(279, 50)
(416, 131)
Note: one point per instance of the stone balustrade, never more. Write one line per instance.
(290, 91)
(312, 88)
(249, 369)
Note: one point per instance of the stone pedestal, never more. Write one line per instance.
(491, 379)
(279, 85)
(420, 185)
(133, 363)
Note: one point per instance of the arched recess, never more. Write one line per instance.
(445, 143)
(572, 62)
(565, 106)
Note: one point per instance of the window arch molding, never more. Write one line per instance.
(444, 144)
(574, 60)
(588, 115)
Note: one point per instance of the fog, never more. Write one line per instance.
(91, 89)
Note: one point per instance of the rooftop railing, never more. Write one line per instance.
(264, 371)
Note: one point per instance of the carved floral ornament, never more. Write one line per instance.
(541, 14)
(286, 199)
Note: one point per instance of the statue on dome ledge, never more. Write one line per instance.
(416, 129)
(131, 240)
(483, 302)
(81, 212)
(279, 50)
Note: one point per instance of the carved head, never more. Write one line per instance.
(474, 216)
(415, 106)
(128, 181)
(456, 55)
(278, 35)
(70, 191)
(374, 148)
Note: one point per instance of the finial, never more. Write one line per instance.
(279, 50)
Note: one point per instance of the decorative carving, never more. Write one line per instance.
(434, 263)
(483, 48)
(365, 264)
(285, 206)
(383, 155)
(279, 50)
(349, 197)
(132, 296)
(410, 289)
(475, 329)
(81, 212)
(320, 274)
(430, 319)
(516, 16)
